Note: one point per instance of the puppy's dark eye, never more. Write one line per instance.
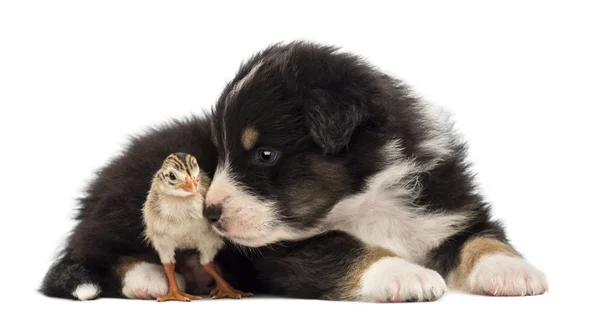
(267, 156)
(172, 176)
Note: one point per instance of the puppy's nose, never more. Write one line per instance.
(212, 213)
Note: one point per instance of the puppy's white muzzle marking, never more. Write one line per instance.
(244, 216)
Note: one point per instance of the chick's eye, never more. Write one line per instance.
(172, 176)
(267, 156)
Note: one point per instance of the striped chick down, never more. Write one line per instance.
(173, 218)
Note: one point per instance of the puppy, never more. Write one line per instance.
(311, 139)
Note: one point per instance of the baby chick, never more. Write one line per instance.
(173, 219)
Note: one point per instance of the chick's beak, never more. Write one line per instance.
(190, 185)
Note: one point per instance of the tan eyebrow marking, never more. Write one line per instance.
(249, 138)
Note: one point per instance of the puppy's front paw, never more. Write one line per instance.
(502, 275)
(148, 281)
(396, 280)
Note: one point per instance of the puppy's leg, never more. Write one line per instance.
(334, 266)
(380, 276)
(69, 278)
(143, 280)
(491, 267)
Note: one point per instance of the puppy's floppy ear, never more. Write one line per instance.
(332, 118)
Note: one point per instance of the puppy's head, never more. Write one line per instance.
(283, 128)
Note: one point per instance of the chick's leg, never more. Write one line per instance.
(174, 292)
(166, 251)
(223, 288)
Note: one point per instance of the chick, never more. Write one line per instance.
(173, 220)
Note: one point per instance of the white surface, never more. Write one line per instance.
(450, 305)
(521, 80)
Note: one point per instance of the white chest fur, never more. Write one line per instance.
(383, 215)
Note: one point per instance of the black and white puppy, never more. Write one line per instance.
(311, 139)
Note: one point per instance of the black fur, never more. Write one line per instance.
(110, 227)
(66, 274)
(311, 268)
(329, 115)
(110, 213)
(445, 257)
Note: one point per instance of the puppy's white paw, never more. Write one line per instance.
(148, 281)
(502, 275)
(86, 291)
(397, 280)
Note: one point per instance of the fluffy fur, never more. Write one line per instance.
(328, 266)
(174, 221)
(110, 214)
(354, 151)
(369, 197)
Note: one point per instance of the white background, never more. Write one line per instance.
(522, 79)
